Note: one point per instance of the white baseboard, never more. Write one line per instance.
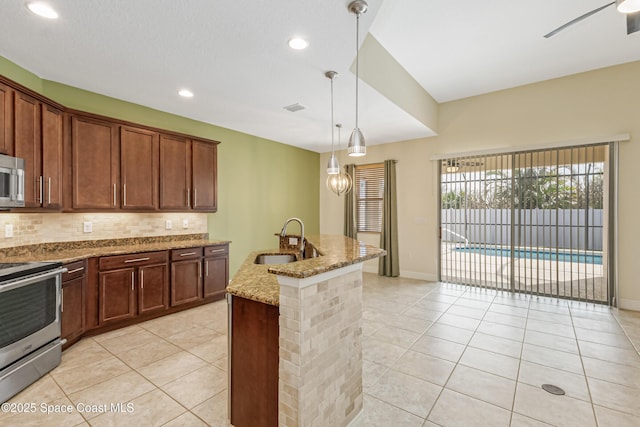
(419, 276)
(403, 273)
(629, 304)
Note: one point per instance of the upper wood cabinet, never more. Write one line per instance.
(175, 180)
(188, 174)
(78, 161)
(28, 146)
(204, 165)
(95, 161)
(52, 140)
(6, 119)
(139, 168)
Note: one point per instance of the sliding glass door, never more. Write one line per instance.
(534, 222)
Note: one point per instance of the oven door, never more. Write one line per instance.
(29, 314)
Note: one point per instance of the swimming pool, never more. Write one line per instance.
(588, 258)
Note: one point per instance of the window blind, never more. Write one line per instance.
(369, 186)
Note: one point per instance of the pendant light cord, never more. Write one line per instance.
(357, 62)
(332, 132)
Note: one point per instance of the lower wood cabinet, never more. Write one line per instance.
(216, 271)
(186, 275)
(120, 290)
(72, 305)
(130, 285)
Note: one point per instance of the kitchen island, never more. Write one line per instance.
(295, 337)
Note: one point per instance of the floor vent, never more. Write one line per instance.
(553, 389)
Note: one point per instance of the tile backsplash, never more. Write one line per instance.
(34, 228)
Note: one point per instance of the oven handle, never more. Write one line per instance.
(32, 279)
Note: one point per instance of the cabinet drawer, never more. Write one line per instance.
(132, 260)
(216, 250)
(186, 253)
(74, 270)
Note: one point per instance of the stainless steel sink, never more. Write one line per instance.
(275, 259)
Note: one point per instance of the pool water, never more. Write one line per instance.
(533, 254)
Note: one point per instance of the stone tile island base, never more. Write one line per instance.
(320, 368)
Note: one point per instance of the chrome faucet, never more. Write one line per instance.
(284, 232)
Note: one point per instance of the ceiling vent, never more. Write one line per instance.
(294, 107)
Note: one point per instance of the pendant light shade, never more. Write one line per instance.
(628, 6)
(357, 145)
(333, 166)
(341, 182)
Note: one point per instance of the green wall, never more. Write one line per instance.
(261, 183)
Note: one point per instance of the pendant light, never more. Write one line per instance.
(333, 166)
(341, 182)
(357, 146)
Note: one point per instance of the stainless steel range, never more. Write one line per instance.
(30, 345)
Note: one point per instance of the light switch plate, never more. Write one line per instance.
(168, 224)
(87, 227)
(185, 223)
(8, 230)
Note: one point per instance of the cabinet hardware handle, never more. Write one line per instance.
(206, 268)
(195, 197)
(62, 303)
(40, 184)
(124, 194)
(133, 279)
(188, 253)
(188, 198)
(136, 260)
(49, 192)
(75, 270)
(213, 251)
(199, 270)
(141, 279)
(114, 195)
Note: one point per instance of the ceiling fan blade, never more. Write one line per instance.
(578, 19)
(633, 22)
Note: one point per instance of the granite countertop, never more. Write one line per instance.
(73, 251)
(258, 282)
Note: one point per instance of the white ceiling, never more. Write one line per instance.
(233, 54)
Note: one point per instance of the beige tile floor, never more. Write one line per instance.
(434, 354)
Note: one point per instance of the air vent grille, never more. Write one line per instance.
(294, 107)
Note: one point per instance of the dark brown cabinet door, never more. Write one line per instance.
(216, 273)
(204, 176)
(95, 163)
(52, 138)
(116, 295)
(72, 323)
(28, 146)
(186, 281)
(175, 185)
(6, 119)
(139, 168)
(152, 289)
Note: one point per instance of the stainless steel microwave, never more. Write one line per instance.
(11, 182)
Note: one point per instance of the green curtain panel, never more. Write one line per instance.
(350, 229)
(389, 265)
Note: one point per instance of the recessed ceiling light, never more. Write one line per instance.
(186, 93)
(298, 43)
(42, 9)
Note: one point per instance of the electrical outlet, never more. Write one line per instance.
(87, 227)
(168, 224)
(185, 223)
(8, 230)
(293, 241)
